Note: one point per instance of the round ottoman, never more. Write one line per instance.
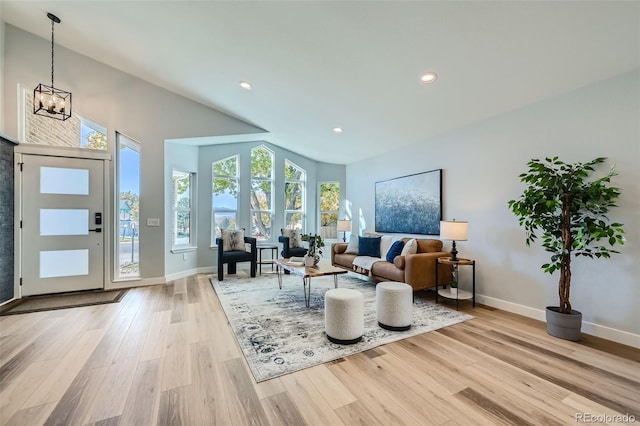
(394, 305)
(344, 316)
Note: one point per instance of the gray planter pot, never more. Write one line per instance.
(563, 326)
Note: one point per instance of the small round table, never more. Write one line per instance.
(461, 294)
(273, 248)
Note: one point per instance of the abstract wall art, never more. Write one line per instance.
(410, 204)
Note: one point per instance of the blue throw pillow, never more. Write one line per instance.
(369, 246)
(395, 250)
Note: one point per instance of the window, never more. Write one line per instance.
(183, 209)
(92, 135)
(329, 209)
(294, 195)
(225, 195)
(261, 190)
(128, 187)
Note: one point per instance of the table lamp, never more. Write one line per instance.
(344, 226)
(454, 230)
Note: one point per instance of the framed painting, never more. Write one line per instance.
(410, 204)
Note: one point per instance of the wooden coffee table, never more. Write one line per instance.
(307, 272)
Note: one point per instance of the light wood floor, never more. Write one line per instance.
(166, 355)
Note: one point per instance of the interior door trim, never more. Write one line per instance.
(62, 151)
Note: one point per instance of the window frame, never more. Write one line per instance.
(271, 180)
(303, 205)
(122, 139)
(322, 212)
(191, 244)
(236, 212)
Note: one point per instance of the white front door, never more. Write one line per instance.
(62, 247)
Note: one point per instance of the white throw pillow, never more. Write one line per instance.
(410, 247)
(233, 240)
(352, 248)
(385, 244)
(295, 237)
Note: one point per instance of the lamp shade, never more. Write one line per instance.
(344, 225)
(454, 230)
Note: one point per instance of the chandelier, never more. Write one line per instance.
(47, 100)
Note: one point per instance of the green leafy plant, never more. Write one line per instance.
(570, 212)
(315, 244)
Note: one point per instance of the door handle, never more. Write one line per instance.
(98, 230)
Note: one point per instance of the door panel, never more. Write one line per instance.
(62, 247)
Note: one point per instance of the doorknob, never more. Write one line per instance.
(96, 230)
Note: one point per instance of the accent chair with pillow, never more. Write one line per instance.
(291, 240)
(232, 248)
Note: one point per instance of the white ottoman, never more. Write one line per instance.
(344, 316)
(394, 305)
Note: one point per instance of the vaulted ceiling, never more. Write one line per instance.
(317, 65)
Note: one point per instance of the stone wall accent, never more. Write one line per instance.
(6, 224)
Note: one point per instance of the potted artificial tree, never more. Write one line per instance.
(570, 212)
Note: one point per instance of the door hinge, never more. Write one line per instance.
(20, 224)
(21, 164)
(20, 281)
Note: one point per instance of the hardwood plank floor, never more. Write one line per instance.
(166, 355)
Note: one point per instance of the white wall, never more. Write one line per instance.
(2, 38)
(481, 164)
(122, 103)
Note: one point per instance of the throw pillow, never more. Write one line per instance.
(410, 247)
(352, 248)
(369, 246)
(295, 237)
(395, 250)
(233, 240)
(385, 244)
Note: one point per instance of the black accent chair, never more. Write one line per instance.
(232, 257)
(288, 252)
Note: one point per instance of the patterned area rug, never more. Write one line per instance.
(279, 335)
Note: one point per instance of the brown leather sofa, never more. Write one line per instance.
(417, 270)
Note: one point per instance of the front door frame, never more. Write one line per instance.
(55, 151)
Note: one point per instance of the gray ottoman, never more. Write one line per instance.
(394, 305)
(344, 315)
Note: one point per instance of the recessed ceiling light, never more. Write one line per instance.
(245, 85)
(429, 77)
(337, 129)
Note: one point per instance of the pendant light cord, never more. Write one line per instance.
(52, 24)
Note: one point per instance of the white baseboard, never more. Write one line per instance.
(208, 270)
(181, 274)
(590, 328)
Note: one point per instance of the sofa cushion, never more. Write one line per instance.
(394, 250)
(369, 246)
(410, 247)
(428, 245)
(352, 248)
(388, 271)
(345, 260)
